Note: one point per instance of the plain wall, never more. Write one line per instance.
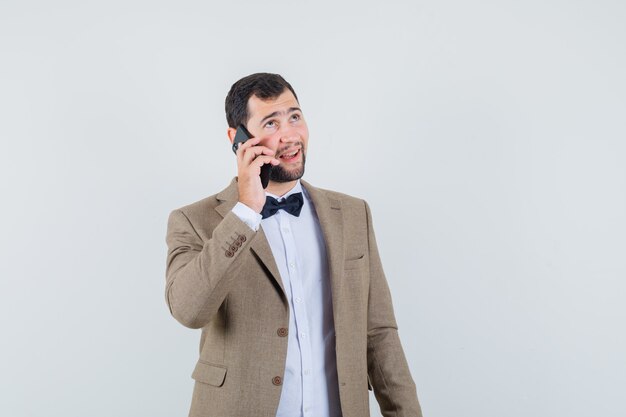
(487, 136)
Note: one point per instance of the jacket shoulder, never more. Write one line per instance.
(200, 205)
(346, 200)
(201, 210)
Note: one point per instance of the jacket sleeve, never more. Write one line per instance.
(387, 367)
(199, 274)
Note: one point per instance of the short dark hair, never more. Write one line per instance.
(262, 84)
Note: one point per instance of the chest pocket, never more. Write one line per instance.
(354, 262)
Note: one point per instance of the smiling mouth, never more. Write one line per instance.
(288, 157)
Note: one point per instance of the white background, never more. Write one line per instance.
(487, 136)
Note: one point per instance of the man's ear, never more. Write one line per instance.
(231, 132)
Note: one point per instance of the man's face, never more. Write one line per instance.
(280, 125)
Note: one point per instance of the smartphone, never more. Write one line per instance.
(243, 135)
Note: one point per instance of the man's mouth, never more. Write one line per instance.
(290, 156)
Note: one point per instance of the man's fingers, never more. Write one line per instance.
(250, 142)
(262, 160)
(250, 153)
(254, 152)
(243, 146)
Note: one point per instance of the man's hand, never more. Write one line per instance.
(250, 159)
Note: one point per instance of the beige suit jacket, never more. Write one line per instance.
(221, 277)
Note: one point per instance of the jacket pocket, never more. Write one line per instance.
(354, 263)
(208, 373)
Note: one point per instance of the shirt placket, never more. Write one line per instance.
(300, 313)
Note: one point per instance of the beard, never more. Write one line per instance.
(279, 174)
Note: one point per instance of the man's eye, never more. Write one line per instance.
(270, 124)
(295, 117)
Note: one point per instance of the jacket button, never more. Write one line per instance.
(229, 254)
(277, 380)
(242, 238)
(282, 332)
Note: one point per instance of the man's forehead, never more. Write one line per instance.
(258, 107)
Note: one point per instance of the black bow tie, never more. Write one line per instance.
(292, 205)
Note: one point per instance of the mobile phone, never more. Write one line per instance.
(243, 135)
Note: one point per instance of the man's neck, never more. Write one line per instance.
(280, 188)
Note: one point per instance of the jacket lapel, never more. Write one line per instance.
(259, 245)
(329, 213)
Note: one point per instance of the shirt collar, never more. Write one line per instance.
(296, 189)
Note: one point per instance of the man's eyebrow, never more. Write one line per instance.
(276, 113)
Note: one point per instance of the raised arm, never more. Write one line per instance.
(199, 274)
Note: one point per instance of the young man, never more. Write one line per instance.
(285, 282)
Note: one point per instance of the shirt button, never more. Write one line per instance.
(306, 372)
(277, 380)
(298, 299)
(282, 332)
(292, 265)
(286, 230)
(303, 335)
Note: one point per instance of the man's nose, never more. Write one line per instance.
(288, 134)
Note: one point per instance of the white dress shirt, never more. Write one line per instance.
(310, 387)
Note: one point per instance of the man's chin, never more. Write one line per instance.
(280, 174)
